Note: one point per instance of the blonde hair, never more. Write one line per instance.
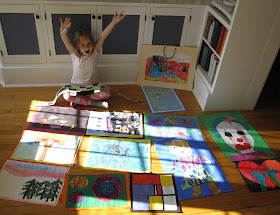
(77, 36)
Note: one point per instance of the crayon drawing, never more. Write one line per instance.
(164, 126)
(117, 154)
(29, 182)
(46, 147)
(162, 100)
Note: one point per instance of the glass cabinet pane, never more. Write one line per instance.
(78, 22)
(20, 33)
(168, 30)
(124, 37)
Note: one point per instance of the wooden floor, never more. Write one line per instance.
(15, 114)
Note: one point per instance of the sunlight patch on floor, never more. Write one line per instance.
(33, 109)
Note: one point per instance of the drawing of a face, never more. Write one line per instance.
(180, 148)
(236, 136)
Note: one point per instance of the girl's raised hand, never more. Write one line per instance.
(65, 26)
(118, 17)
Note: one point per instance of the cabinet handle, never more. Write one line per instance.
(37, 16)
(99, 17)
(153, 18)
(93, 17)
(2, 53)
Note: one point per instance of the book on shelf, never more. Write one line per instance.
(205, 56)
(214, 61)
(223, 42)
(211, 66)
(214, 73)
(211, 26)
(221, 38)
(215, 34)
(208, 26)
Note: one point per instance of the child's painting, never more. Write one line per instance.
(118, 124)
(164, 126)
(167, 66)
(235, 136)
(44, 147)
(260, 175)
(153, 193)
(162, 100)
(60, 120)
(96, 190)
(197, 173)
(133, 155)
(33, 183)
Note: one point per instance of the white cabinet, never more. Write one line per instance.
(123, 43)
(82, 17)
(33, 53)
(21, 34)
(168, 26)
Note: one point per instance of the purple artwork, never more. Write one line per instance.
(60, 120)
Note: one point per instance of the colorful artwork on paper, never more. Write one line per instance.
(162, 100)
(33, 183)
(132, 155)
(174, 70)
(153, 193)
(44, 147)
(163, 126)
(96, 190)
(260, 175)
(235, 136)
(60, 120)
(119, 124)
(197, 173)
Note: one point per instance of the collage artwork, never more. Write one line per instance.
(38, 169)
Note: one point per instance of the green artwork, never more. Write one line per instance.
(96, 190)
(235, 136)
(44, 190)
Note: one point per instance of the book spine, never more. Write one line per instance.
(215, 66)
(218, 34)
(211, 66)
(210, 31)
(221, 39)
(223, 43)
(214, 33)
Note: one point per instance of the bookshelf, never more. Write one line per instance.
(251, 44)
(212, 45)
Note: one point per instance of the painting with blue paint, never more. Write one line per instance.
(165, 126)
(127, 154)
(162, 100)
(197, 173)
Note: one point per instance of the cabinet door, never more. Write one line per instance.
(123, 44)
(21, 37)
(82, 17)
(168, 26)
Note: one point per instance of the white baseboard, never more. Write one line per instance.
(62, 84)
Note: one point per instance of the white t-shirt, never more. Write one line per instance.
(84, 69)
